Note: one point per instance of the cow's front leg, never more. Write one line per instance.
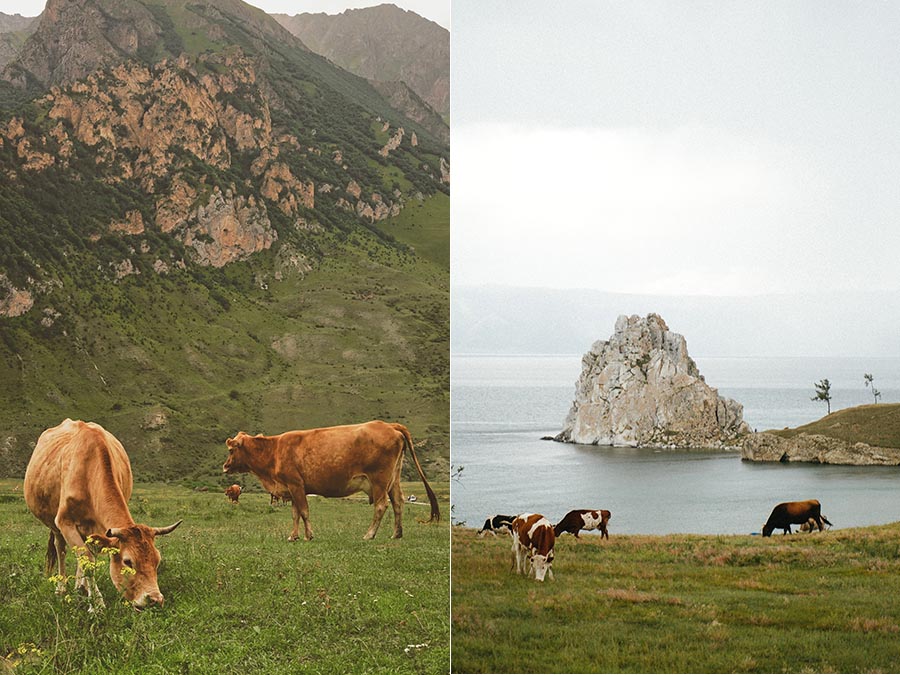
(87, 584)
(300, 509)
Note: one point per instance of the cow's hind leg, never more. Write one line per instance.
(300, 509)
(380, 499)
(396, 496)
(58, 542)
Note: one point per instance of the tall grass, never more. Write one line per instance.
(239, 597)
(824, 602)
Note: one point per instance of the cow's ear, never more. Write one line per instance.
(231, 442)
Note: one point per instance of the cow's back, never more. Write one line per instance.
(74, 459)
(329, 457)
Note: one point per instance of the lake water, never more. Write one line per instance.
(502, 405)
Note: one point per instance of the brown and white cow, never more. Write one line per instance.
(233, 492)
(533, 541)
(331, 462)
(794, 513)
(583, 519)
(78, 483)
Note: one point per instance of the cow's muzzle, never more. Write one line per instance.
(147, 600)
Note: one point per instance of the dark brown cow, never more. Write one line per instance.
(583, 519)
(794, 513)
(331, 462)
(533, 542)
(78, 484)
(233, 492)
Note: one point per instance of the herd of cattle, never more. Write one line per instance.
(78, 483)
(534, 537)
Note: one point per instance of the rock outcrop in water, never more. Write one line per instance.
(641, 388)
(816, 448)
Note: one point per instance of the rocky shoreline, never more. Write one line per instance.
(815, 448)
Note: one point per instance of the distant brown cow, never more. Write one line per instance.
(331, 462)
(78, 483)
(811, 525)
(583, 519)
(533, 542)
(275, 498)
(794, 513)
(233, 492)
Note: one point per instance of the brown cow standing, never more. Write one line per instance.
(78, 483)
(233, 492)
(533, 541)
(794, 513)
(331, 462)
(584, 519)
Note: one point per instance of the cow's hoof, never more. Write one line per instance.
(293, 537)
(368, 537)
(397, 535)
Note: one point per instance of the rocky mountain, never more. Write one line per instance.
(383, 43)
(206, 227)
(641, 388)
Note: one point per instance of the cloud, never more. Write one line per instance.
(685, 211)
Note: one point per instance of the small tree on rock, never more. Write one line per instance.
(823, 393)
(868, 380)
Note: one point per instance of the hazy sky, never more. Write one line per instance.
(436, 10)
(660, 147)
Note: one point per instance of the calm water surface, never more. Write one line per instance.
(502, 405)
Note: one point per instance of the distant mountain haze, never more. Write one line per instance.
(14, 30)
(516, 320)
(383, 43)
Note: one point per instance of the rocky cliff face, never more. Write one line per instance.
(641, 388)
(816, 448)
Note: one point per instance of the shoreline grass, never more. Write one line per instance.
(824, 602)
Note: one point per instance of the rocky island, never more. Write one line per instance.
(640, 388)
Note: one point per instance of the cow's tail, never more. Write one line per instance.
(825, 520)
(408, 444)
(52, 562)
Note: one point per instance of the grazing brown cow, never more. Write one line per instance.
(274, 498)
(533, 541)
(331, 462)
(583, 519)
(794, 513)
(233, 492)
(78, 483)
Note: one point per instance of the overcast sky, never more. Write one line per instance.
(436, 10)
(676, 148)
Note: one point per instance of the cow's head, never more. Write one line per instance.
(767, 531)
(541, 564)
(238, 454)
(133, 561)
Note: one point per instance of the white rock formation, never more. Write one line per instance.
(640, 388)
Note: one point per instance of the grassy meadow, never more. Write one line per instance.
(823, 602)
(239, 597)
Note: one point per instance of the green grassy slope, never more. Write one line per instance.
(877, 425)
(173, 365)
(682, 603)
(239, 596)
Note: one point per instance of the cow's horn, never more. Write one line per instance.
(159, 531)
